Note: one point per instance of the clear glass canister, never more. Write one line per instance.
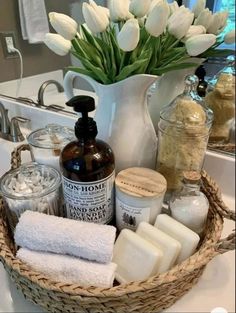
(46, 144)
(183, 133)
(31, 187)
(220, 99)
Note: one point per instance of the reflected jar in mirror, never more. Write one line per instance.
(183, 133)
(220, 99)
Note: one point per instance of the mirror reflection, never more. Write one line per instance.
(35, 74)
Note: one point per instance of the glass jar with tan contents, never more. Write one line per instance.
(183, 133)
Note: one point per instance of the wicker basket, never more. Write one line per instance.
(152, 295)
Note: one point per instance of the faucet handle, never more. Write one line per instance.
(15, 132)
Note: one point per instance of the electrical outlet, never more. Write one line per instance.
(7, 42)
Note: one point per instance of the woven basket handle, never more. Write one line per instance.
(16, 155)
(213, 193)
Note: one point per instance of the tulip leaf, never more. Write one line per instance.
(99, 72)
(172, 67)
(101, 76)
(83, 71)
(117, 52)
(77, 47)
(216, 53)
(90, 52)
(130, 69)
(90, 38)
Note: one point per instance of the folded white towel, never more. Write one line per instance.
(68, 269)
(42, 232)
(33, 20)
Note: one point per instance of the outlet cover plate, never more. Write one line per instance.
(3, 36)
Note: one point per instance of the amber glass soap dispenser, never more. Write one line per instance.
(88, 170)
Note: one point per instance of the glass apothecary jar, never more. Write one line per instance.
(46, 144)
(31, 187)
(220, 99)
(183, 133)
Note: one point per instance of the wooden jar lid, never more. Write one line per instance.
(141, 182)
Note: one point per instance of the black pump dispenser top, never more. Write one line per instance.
(85, 127)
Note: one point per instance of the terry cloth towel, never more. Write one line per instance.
(33, 20)
(68, 269)
(42, 232)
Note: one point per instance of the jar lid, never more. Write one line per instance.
(30, 181)
(53, 136)
(141, 182)
(188, 110)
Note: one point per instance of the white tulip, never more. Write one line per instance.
(157, 20)
(230, 37)
(119, 10)
(204, 18)
(63, 25)
(195, 30)
(128, 37)
(215, 24)
(139, 8)
(224, 16)
(199, 7)
(179, 22)
(105, 10)
(173, 7)
(95, 18)
(153, 4)
(200, 43)
(57, 43)
(100, 8)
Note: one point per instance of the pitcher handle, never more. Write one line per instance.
(69, 82)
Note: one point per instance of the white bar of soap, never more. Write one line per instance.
(187, 238)
(168, 245)
(136, 258)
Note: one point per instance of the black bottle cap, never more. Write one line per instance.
(85, 127)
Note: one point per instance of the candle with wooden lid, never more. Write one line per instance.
(139, 196)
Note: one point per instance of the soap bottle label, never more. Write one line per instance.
(129, 217)
(90, 202)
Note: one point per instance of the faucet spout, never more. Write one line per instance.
(43, 87)
(4, 121)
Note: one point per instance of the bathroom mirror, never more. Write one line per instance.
(38, 59)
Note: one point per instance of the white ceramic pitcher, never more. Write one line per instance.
(123, 119)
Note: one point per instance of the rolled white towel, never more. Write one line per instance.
(42, 232)
(69, 269)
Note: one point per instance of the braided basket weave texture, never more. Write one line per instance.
(152, 295)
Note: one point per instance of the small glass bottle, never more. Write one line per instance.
(88, 170)
(183, 132)
(190, 206)
(220, 98)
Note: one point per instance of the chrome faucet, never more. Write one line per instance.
(10, 130)
(43, 87)
(4, 122)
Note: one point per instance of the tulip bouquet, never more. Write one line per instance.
(137, 37)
